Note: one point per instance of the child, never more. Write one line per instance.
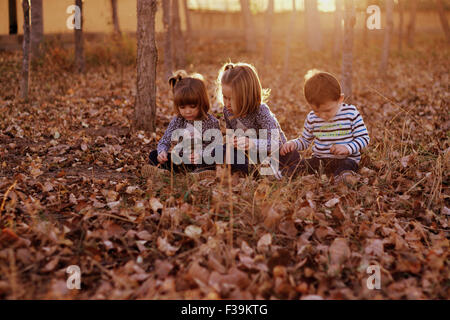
(192, 105)
(337, 129)
(243, 98)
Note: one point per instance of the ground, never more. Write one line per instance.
(71, 194)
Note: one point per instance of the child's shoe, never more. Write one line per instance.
(202, 173)
(148, 171)
(349, 177)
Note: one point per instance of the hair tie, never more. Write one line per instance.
(229, 66)
(175, 79)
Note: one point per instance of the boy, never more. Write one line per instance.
(337, 129)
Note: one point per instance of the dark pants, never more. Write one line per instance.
(324, 165)
(177, 168)
(286, 162)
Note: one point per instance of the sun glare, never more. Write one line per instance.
(280, 5)
(326, 5)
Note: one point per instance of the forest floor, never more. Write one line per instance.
(71, 194)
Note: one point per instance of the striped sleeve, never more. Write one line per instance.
(360, 135)
(307, 136)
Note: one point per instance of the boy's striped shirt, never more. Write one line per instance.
(346, 128)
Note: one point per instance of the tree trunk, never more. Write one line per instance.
(412, 22)
(347, 55)
(443, 18)
(337, 47)
(26, 51)
(365, 31)
(313, 29)
(147, 59)
(188, 18)
(179, 44)
(79, 42)
(250, 38)
(168, 36)
(37, 29)
(289, 37)
(400, 25)
(115, 17)
(268, 36)
(387, 38)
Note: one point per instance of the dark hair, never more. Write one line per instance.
(321, 87)
(189, 90)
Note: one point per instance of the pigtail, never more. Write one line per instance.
(228, 67)
(176, 77)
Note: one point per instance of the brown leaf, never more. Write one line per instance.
(264, 242)
(165, 247)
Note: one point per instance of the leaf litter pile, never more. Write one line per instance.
(71, 193)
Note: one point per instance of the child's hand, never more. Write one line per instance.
(339, 150)
(162, 157)
(288, 147)
(243, 143)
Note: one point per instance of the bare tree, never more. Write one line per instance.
(115, 17)
(168, 35)
(26, 51)
(412, 22)
(268, 36)
(179, 44)
(313, 29)
(188, 17)
(443, 18)
(147, 59)
(400, 24)
(387, 37)
(365, 31)
(249, 27)
(37, 29)
(347, 55)
(80, 64)
(289, 37)
(337, 47)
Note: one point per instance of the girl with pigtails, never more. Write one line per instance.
(191, 104)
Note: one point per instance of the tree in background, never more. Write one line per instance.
(443, 18)
(168, 35)
(387, 37)
(249, 27)
(188, 17)
(289, 37)
(37, 29)
(365, 31)
(400, 24)
(115, 17)
(412, 22)
(347, 55)
(26, 51)
(268, 33)
(313, 29)
(337, 47)
(147, 60)
(80, 64)
(178, 39)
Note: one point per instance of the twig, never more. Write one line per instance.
(6, 195)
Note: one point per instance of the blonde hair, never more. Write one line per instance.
(243, 79)
(189, 89)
